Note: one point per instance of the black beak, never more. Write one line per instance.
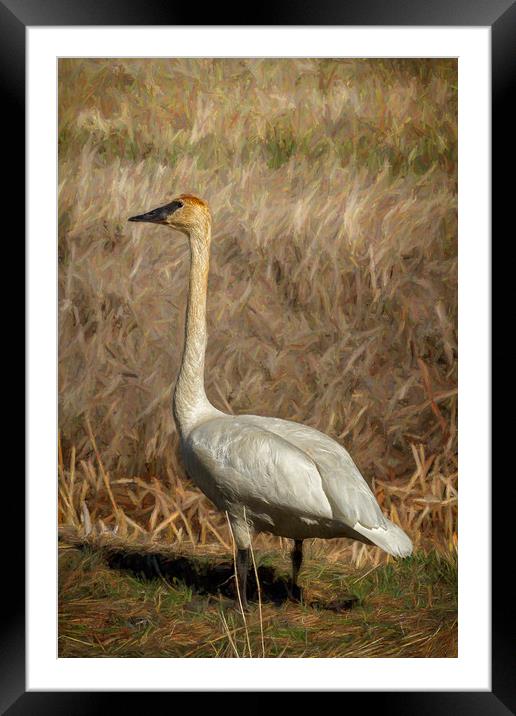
(154, 217)
(157, 216)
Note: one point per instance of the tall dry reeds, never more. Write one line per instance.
(333, 282)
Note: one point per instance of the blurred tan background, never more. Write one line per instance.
(333, 282)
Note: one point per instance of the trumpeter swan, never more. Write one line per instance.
(267, 474)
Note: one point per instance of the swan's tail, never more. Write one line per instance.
(390, 538)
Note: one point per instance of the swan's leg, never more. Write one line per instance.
(297, 560)
(242, 568)
(242, 533)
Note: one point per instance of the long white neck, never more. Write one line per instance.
(190, 402)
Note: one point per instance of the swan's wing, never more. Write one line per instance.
(249, 464)
(349, 495)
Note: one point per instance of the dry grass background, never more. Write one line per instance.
(333, 282)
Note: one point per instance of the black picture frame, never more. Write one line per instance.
(15, 17)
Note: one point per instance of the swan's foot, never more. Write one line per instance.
(244, 606)
(234, 607)
(296, 593)
(344, 604)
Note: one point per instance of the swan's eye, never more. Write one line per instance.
(174, 206)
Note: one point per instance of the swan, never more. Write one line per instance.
(266, 474)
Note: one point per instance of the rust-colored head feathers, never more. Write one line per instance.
(191, 199)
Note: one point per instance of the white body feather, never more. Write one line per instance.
(292, 480)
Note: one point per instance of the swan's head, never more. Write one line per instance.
(187, 214)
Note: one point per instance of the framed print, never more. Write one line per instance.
(267, 245)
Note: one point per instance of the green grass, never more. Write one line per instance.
(405, 609)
